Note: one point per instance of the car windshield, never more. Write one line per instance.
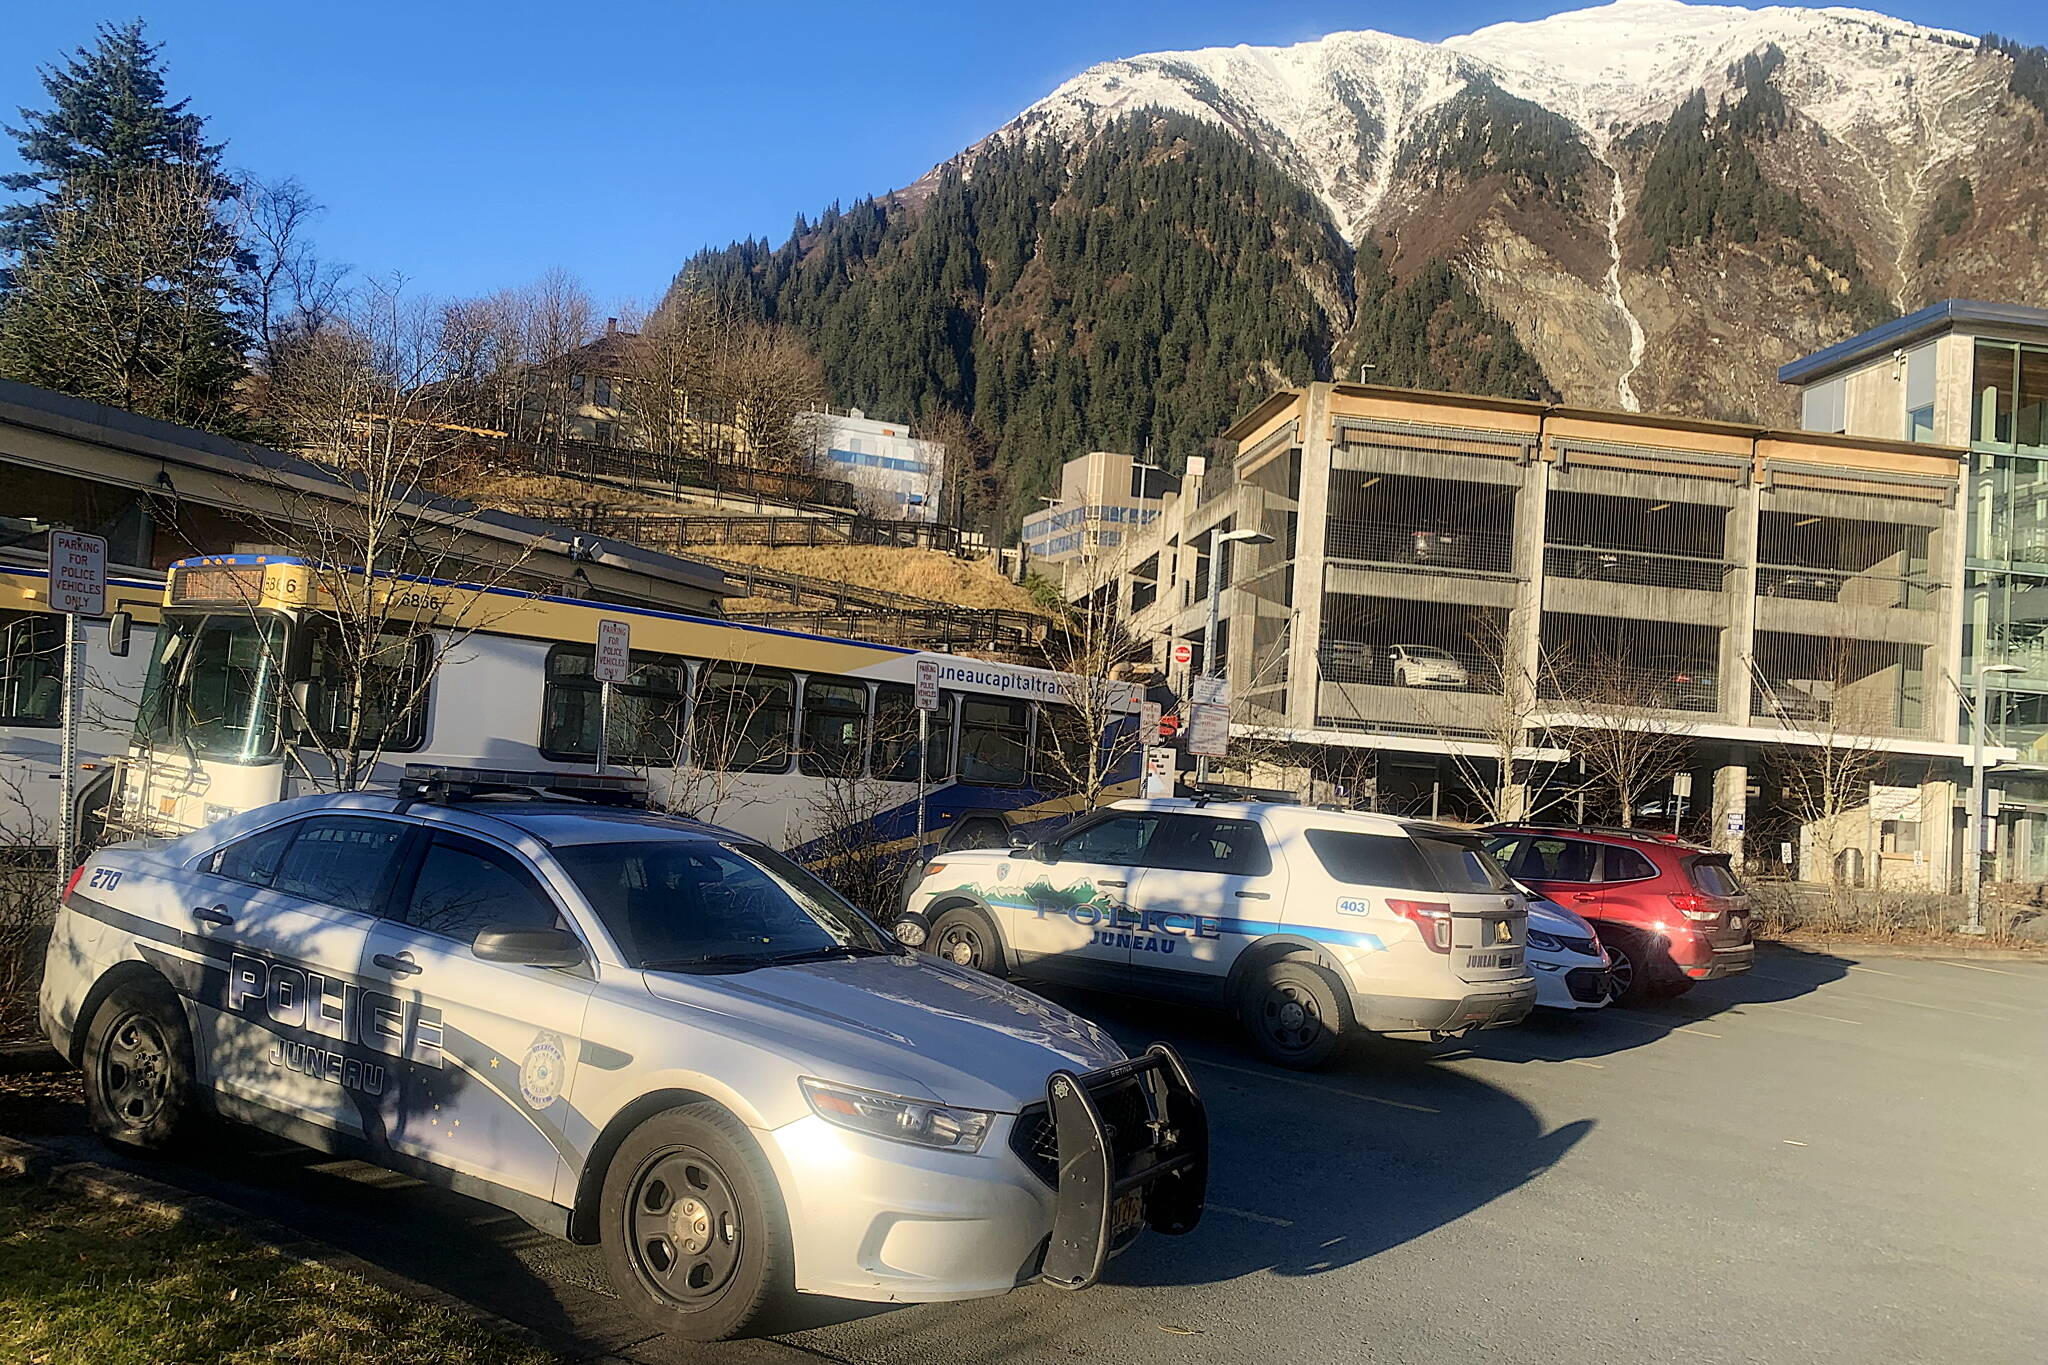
(692, 904)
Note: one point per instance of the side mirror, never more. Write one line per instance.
(118, 626)
(528, 947)
(1020, 840)
(295, 718)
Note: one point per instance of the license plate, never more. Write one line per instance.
(1127, 1215)
(1493, 961)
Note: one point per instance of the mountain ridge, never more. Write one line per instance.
(1647, 204)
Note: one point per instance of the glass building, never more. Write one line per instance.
(1972, 374)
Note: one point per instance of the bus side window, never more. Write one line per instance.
(1061, 758)
(745, 721)
(895, 757)
(647, 709)
(394, 706)
(31, 668)
(835, 720)
(993, 735)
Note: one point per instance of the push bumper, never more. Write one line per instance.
(1113, 1180)
(1726, 962)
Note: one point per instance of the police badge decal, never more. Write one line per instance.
(540, 1075)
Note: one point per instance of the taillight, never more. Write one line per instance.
(1433, 918)
(1697, 907)
(72, 884)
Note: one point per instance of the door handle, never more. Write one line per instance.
(1585, 898)
(1253, 896)
(400, 965)
(1104, 881)
(213, 914)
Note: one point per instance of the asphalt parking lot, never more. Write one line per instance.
(1834, 1158)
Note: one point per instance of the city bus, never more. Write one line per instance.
(783, 736)
(32, 694)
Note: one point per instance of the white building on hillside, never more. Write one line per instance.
(896, 474)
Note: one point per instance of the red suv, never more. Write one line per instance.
(1671, 913)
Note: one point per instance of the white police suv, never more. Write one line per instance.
(626, 1027)
(1310, 923)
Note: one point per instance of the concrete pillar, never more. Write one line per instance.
(1311, 539)
(1731, 797)
(1738, 638)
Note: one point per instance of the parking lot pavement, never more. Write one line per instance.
(1831, 1159)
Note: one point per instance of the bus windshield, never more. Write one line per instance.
(213, 687)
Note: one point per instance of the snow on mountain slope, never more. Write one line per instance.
(1335, 111)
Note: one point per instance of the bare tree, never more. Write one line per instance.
(366, 401)
(1827, 786)
(1092, 649)
(772, 388)
(1619, 724)
(964, 496)
(290, 293)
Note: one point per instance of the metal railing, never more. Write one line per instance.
(649, 469)
(824, 596)
(678, 532)
(1644, 568)
(1844, 586)
(1421, 550)
(960, 628)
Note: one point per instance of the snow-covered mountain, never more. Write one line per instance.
(1883, 119)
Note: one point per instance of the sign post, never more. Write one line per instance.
(1149, 715)
(78, 587)
(927, 702)
(613, 664)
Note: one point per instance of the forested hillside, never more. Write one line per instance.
(1132, 294)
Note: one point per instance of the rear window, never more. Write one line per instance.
(1714, 877)
(1422, 862)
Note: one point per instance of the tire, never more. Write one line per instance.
(693, 1228)
(964, 936)
(138, 1069)
(1296, 1012)
(1630, 970)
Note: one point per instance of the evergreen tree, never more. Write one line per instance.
(123, 282)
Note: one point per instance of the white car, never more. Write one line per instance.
(1310, 924)
(627, 1028)
(1565, 957)
(1426, 666)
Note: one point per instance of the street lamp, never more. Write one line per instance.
(1974, 866)
(1217, 540)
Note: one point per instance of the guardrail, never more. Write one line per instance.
(674, 473)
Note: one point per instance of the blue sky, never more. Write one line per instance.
(474, 145)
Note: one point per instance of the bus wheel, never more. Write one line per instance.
(964, 937)
(981, 834)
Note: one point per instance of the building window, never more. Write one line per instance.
(1821, 407)
(1920, 394)
(601, 393)
(576, 383)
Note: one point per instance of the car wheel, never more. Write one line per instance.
(138, 1068)
(964, 936)
(1628, 969)
(694, 1232)
(1296, 1013)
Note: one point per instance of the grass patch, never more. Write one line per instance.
(930, 574)
(84, 1282)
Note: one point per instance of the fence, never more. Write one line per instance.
(676, 532)
(643, 470)
(860, 611)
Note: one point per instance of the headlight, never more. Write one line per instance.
(909, 932)
(1544, 943)
(895, 1118)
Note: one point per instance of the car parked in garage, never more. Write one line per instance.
(1310, 924)
(628, 1028)
(1670, 914)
